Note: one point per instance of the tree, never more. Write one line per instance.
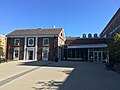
(114, 48)
(1, 50)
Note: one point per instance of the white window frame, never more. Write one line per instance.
(16, 58)
(44, 41)
(15, 42)
(33, 42)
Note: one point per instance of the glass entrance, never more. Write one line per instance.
(97, 55)
(30, 55)
(16, 54)
(45, 52)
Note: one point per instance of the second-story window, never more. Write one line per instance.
(30, 41)
(45, 41)
(17, 42)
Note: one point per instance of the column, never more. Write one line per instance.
(25, 48)
(36, 46)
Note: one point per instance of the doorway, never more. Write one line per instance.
(45, 52)
(30, 55)
(97, 55)
(16, 54)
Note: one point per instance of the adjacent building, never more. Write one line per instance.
(86, 48)
(113, 26)
(3, 44)
(35, 44)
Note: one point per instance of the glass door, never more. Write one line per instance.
(97, 55)
(16, 54)
(45, 52)
(30, 55)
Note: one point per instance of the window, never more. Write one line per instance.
(45, 41)
(30, 41)
(17, 42)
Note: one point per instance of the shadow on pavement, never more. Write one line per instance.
(84, 76)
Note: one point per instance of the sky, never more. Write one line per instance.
(75, 16)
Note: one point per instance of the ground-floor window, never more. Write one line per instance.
(86, 54)
(76, 54)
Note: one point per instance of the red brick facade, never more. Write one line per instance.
(52, 48)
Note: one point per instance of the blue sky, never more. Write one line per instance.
(75, 16)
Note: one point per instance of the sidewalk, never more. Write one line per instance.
(117, 69)
(14, 67)
(63, 75)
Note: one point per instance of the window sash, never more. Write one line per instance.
(29, 43)
(45, 41)
(17, 42)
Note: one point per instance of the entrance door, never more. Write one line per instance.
(30, 55)
(16, 54)
(45, 52)
(97, 55)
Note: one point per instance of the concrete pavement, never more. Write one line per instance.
(63, 75)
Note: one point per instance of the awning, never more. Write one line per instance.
(89, 46)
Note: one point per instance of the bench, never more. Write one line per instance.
(109, 66)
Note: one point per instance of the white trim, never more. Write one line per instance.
(53, 35)
(114, 30)
(25, 48)
(31, 49)
(29, 43)
(36, 45)
(97, 52)
(14, 58)
(44, 41)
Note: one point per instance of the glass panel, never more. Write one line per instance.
(99, 55)
(90, 55)
(17, 42)
(30, 41)
(45, 53)
(46, 42)
(97, 49)
(73, 53)
(95, 56)
(77, 53)
(69, 53)
(16, 53)
(30, 53)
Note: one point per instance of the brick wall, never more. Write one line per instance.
(10, 48)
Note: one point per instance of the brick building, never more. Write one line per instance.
(86, 49)
(113, 26)
(35, 44)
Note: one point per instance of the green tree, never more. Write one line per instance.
(114, 48)
(1, 50)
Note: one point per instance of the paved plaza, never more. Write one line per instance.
(62, 75)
